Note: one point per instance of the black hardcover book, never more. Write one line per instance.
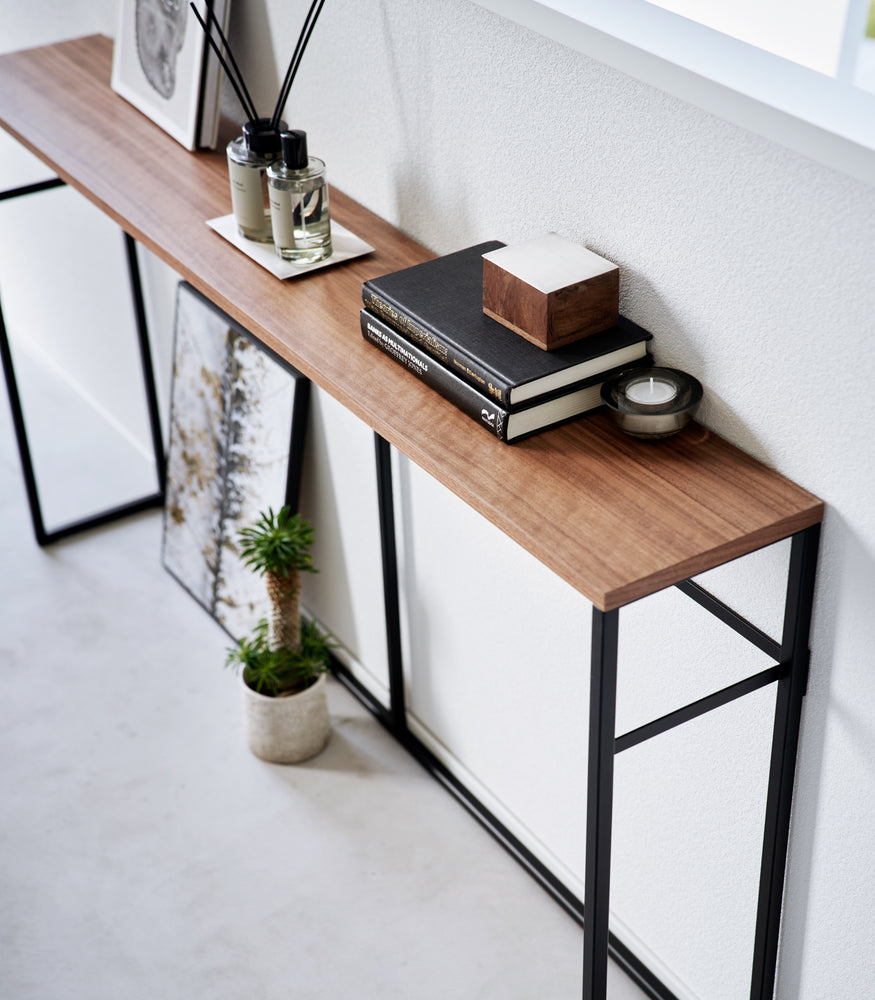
(506, 425)
(438, 305)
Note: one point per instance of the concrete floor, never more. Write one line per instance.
(147, 854)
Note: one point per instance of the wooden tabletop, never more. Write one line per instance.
(615, 517)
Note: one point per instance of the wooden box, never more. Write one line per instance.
(550, 290)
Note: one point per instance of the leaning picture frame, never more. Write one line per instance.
(238, 424)
(163, 65)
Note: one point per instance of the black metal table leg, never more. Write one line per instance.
(146, 363)
(599, 805)
(385, 499)
(788, 712)
(297, 439)
(36, 517)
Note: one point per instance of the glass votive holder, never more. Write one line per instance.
(652, 403)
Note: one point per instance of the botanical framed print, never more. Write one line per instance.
(237, 424)
(162, 64)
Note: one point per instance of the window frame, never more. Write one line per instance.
(826, 119)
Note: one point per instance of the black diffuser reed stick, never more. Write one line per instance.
(297, 55)
(240, 88)
(232, 70)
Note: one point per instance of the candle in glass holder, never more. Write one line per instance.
(652, 403)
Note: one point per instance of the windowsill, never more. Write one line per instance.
(813, 114)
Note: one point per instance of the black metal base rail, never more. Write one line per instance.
(789, 674)
(156, 499)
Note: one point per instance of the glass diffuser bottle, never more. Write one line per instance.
(299, 202)
(249, 156)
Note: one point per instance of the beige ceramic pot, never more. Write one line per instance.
(290, 729)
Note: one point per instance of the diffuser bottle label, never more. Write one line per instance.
(282, 210)
(248, 196)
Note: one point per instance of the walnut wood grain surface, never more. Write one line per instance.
(614, 517)
(551, 319)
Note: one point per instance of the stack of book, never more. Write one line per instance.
(429, 318)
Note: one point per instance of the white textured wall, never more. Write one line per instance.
(752, 267)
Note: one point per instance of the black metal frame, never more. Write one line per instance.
(790, 673)
(791, 676)
(42, 534)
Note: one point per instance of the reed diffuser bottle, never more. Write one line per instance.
(299, 202)
(249, 156)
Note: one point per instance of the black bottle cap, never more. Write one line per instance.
(295, 149)
(262, 137)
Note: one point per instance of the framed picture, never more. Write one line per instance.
(238, 420)
(164, 66)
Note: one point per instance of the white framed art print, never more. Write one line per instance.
(162, 65)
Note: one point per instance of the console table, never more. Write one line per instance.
(617, 519)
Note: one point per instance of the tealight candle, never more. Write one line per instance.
(651, 391)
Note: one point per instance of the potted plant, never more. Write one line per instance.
(283, 664)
